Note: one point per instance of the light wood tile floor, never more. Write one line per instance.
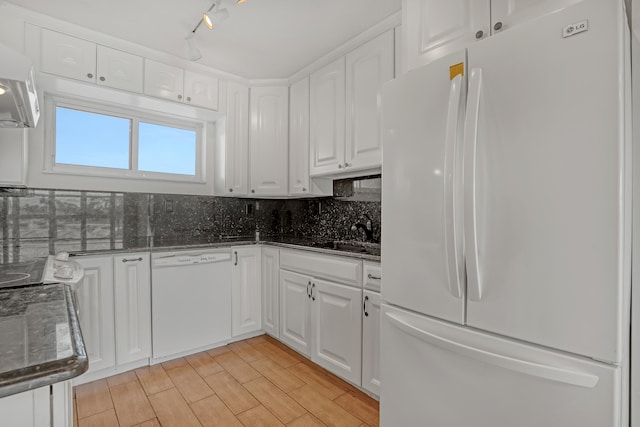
(256, 382)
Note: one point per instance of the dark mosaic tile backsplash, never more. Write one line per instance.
(40, 222)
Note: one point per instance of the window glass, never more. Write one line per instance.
(89, 139)
(166, 149)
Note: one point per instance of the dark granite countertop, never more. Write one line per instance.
(360, 250)
(40, 338)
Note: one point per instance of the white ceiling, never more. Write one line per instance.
(262, 39)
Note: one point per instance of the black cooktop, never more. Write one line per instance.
(22, 273)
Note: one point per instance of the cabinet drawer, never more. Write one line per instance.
(372, 276)
(337, 269)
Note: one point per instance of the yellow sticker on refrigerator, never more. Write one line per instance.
(456, 70)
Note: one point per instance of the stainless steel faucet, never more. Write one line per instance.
(364, 224)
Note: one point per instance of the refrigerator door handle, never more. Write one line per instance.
(552, 373)
(451, 226)
(474, 283)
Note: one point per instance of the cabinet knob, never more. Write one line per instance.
(90, 75)
(498, 26)
(231, 190)
(346, 165)
(479, 34)
(102, 78)
(253, 191)
(304, 189)
(179, 96)
(364, 306)
(339, 165)
(188, 99)
(132, 259)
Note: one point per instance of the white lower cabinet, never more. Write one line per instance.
(95, 311)
(114, 309)
(50, 406)
(27, 409)
(336, 322)
(132, 286)
(295, 311)
(246, 301)
(371, 342)
(322, 319)
(270, 273)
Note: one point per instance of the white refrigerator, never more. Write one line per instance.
(506, 229)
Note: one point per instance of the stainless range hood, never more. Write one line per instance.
(18, 99)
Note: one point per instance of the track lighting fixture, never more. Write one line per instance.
(215, 14)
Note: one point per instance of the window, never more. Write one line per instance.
(100, 141)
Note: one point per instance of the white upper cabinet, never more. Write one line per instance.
(120, 70)
(368, 68)
(200, 90)
(176, 84)
(14, 150)
(345, 108)
(506, 14)
(234, 150)
(79, 59)
(327, 118)
(435, 28)
(299, 137)
(68, 56)
(269, 140)
(163, 80)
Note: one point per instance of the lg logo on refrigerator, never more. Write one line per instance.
(577, 28)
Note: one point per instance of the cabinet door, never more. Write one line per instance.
(120, 70)
(95, 304)
(327, 118)
(295, 311)
(236, 147)
(62, 404)
(336, 321)
(68, 56)
(269, 140)
(27, 409)
(506, 14)
(371, 342)
(299, 137)
(201, 90)
(246, 298)
(270, 284)
(435, 28)
(13, 156)
(368, 68)
(163, 80)
(132, 285)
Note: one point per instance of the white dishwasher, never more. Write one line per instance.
(190, 301)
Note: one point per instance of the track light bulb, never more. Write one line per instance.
(207, 21)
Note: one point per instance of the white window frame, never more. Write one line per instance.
(52, 101)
